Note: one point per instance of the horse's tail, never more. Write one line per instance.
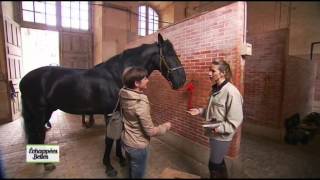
(33, 125)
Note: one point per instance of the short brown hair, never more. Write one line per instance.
(223, 67)
(131, 75)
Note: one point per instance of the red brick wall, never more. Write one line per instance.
(198, 40)
(264, 78)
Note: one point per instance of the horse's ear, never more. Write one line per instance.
(160, 39)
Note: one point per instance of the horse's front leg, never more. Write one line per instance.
(122, 160)
(91, 120)
(90, 123)
(111, 172)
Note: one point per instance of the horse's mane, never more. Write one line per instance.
(117, 57)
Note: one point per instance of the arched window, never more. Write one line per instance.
(148, 20)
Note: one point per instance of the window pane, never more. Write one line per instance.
(65, 4)
(143, 17)
(150, 31)
(142, 32)
(28, 5)
(28, 16)
(150, 18)
(39, 18)
(84, 15)
(142, 24)
(75, 6)
(156, 19)
(75, 15)
(156, 26)
(75, 23)
(51, 20)
(50, 9)
(150, 25)
(84, 5)
(84, 25)
(142, 10)
(65, 22)
(150, 12)
(65, 12)
(51, 3)
(139, 31)
(39, 6)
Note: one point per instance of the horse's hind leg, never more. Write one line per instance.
(46, 115)
(34, 125)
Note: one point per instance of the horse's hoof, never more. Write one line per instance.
(49, 167)
(86, 125)
(111, 172)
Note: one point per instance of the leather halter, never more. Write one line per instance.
(163, 60)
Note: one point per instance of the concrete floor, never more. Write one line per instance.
(81, 152)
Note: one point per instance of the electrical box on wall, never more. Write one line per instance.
(246, 49)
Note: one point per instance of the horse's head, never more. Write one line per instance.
(169, 64)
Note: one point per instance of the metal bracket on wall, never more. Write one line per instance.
(246, 49)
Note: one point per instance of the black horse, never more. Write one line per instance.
(92, 91)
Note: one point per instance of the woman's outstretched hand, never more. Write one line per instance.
(194, 111)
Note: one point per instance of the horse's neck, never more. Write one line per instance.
(148, 57)
(134, 57)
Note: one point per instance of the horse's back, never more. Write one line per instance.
(34, 83)
(71, 90)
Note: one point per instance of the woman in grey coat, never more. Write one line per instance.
(224, 110)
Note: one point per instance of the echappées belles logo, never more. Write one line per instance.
(42, 153)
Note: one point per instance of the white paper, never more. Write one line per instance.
(211, 125)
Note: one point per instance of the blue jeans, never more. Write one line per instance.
(137, 159)
(2, 176)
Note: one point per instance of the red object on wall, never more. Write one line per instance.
(190, 88)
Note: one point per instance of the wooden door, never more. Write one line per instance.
(76, 50)
(14, 67)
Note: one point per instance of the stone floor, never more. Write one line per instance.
(81, 152)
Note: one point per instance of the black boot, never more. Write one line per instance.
(217, 171)
(212, 170)
(224, 170)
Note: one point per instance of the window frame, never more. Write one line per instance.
(147, 19)
(58, 26)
